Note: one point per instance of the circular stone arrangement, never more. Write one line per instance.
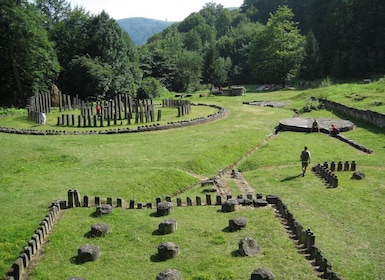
(305, 124)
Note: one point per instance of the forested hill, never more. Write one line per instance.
(140, 29)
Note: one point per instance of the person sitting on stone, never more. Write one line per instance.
(315, 126)
(334, 130)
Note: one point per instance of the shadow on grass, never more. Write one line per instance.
(229, 229)
(156, 232)
(235, 254)
(155, 258)
(155, 214)
(76, 260)
(95, 214)
(291, 177)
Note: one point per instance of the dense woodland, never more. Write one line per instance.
(264, 41)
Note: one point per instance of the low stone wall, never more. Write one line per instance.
(372, 117)
(219, 114)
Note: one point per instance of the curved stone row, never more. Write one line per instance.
(221, 113)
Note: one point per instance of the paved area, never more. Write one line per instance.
(305, 124)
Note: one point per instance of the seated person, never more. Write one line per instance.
(315, 126)
(334, 130)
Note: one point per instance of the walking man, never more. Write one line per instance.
(305, 160)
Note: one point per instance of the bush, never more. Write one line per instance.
(327, 82)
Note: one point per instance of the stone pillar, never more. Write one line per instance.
(346, 166)
(70, 198)
(339, 166)
(353, 166)
(218, 200)
(18, 269)
(179, 201)
(109, 201)
(132, 204)
(158, 200)
(189, 202)
(333, 166)
(208, 199)
(97, 200)
(86, 201)
(198, 201)
(101, 120)
(77, 198)
(119, 202)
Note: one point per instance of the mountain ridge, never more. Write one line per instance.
(141, 28)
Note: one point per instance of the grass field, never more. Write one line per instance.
(348, 221)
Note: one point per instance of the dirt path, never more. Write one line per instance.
(230, 176)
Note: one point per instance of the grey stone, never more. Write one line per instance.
(88, 253)
(245, 201)
(169, 274)
(262, 274)
(104, 209)
(237, 223)
(167, 226)
(99, 230)
(272, 198)
(75, 278)
(248, 247)
(260, 202)
(167, 250)
(358, 175)
(164, 208)
(230, 205)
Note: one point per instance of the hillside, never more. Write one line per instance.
(140, 29)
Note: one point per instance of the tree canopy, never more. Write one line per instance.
(48, 41)
(277, 51)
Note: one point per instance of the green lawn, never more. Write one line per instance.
(348, 221)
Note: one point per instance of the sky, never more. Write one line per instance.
(169, 10)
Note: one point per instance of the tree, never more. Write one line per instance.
(188, 74)
(54, 10)
(215, 68)
(278, 50)
(236, 44)
(310, 66)
(88, 77)
(149, 89)
(107, 41)
(260, 10)
(101, 39)
(28, 60)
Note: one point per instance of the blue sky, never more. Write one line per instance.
(171, 10)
